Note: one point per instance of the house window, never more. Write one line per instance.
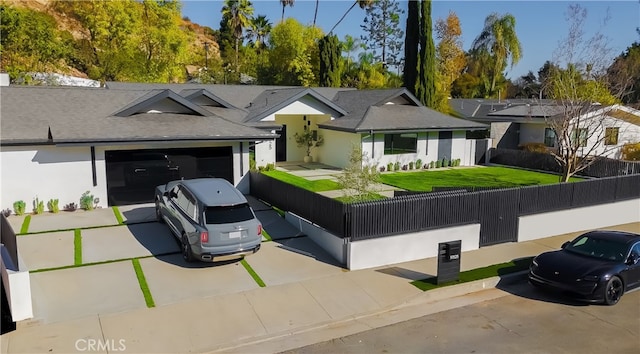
(400, 143)
(579, 137)
(611, 136)
(549, 137)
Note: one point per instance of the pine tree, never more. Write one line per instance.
(384, 36)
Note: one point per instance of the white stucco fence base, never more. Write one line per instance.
(331, 243)
(537, 226)
(409, 247)
(17, 286)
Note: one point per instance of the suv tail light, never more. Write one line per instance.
(204, 237)
(259, 229)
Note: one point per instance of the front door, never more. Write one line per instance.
(281, 145)
(444, 145)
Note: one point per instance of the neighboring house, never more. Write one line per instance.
(120, 141)
(515, 123)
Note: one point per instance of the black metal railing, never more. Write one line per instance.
(423, 211)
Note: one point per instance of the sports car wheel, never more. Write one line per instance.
(187, 255)
(613, 291)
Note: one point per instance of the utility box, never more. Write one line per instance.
(449, 255)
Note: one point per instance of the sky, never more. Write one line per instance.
(540, 25)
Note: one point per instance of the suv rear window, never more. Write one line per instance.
(228, 214)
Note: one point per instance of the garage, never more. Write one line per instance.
(132, 175)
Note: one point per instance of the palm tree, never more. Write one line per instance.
(239, 13)
(315, 13)
(259, 30)
(349, 46)
(285, 3)
(499, 39)
(362, 3)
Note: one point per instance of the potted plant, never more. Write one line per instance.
(308, 139)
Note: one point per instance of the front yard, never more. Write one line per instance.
(426, 180)
(492, 176)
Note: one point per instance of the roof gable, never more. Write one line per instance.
(360, 100)
(272, 101)
(161, 101)
(205, 97)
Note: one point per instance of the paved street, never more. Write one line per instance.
(525, 321)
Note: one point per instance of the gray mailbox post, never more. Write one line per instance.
(449, 254)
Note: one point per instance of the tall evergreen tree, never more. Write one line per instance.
(329, 61)
(383, 34)
(426, 88)
(411, 45)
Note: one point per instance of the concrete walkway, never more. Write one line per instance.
(202, 307)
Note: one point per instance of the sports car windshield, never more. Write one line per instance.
(598, 248)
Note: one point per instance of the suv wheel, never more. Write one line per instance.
(187, 255)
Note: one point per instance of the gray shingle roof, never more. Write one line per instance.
(511, 110)
(86, 115)
(401, 118)
(360, 100)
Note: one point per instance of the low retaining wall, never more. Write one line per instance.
(17, 287)
(331, 243)
(409, 247)
(15, 276)
(537, 226)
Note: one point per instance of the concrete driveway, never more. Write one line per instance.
(85, 270)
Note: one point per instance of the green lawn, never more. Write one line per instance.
(492, 176)
(501, 269)
(313, 186)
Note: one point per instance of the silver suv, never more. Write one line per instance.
(210, 217)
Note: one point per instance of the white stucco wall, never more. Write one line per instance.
(265, 152)
(579, 219)
(458, 145)
(64, 172)
(337, 146)
(49, 172)
(408, 247)
(627, 133)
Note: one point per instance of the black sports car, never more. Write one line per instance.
(598, 266)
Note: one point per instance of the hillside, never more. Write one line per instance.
(65, 22)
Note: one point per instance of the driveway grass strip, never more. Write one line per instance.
(253, 273)
(491, 271)
(118, 215)
(143, 283)
(98, 263)
(266, 235)
(25, 224)
(86, 228)
(77, 247)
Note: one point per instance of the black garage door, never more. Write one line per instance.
(132, 175)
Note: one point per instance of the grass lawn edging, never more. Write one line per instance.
(496, 271)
